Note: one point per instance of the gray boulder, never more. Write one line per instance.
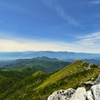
(89, 95)
(88, 83)
(97, 81)
(79, 94)
(96, 92)
(62, 94)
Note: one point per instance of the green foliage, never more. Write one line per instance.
(23, 87)
(14, 74)
(31, 64)
(40, 85)
(94, 66)
(34, 67)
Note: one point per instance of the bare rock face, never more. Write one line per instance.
(79, 94)
(89, 95)
(88, 83)
(96, 92)
(62, 94)
(97, 81)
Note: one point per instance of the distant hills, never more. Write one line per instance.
(39, 85)
(50, 54)
(93, 61)
(40, 62)
(43, 58)
(44, 64)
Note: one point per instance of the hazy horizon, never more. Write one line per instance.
(48, 51)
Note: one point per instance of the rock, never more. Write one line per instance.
(88, 83)
(97, 81)
(62, 94)
(98, 66)
(96, 92)
(89, 95)
(79, 94)
(92, 78)
(75, 68)
(79, 60)
(88, 67)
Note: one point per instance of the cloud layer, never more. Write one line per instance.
(25, 45)
(96, 2)
(88, 43)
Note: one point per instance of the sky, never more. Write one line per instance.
(50, 25)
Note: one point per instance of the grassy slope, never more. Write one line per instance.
(34, 67)
(14, 74)
(8, 79)
(24, 87)
(71, 76)
(40, 85)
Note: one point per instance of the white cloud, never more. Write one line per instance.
(88, 43)
(91, 42)
(84, 45)
(95, 2)
(25, 45)
(65, 16)
(61, 11)
(91, 35)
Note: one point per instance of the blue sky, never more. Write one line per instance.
(50, 25)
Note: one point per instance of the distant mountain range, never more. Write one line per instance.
(44, 64)
(43, 58)
(59, 55)
(41, 62)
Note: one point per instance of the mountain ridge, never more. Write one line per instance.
(45, 64)
(40, 85)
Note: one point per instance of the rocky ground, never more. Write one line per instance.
(80, 93)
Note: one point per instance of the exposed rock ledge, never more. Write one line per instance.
(79, 94)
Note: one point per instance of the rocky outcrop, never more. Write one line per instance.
(89, 95)
(69, 94)
(79, 94)
(88, 83)
(97, 81)
(62, 94)
(96, 92)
